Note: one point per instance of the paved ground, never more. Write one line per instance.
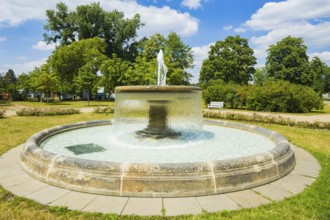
(18, 182)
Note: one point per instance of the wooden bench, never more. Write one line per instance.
(215, 105)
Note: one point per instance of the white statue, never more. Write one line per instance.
(162, 69)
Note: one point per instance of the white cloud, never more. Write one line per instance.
(25, 67)
(299, 18)
(278, 14)
(200, 54)
(324, 56)
(240, 30)
(157, 20)
(228, 27)
(3, 39)
(191, 4)
(42, 45)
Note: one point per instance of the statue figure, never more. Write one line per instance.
(162, 69)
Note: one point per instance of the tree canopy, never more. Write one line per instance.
(89, 21)
(288, 60)
(231, 60)
(321, 74)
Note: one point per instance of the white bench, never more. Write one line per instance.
(215, 105)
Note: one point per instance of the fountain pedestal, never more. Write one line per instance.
(157, 126)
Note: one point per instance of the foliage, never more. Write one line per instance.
(107, 109)
(86, 79)
(68, 60)
(89, 21)
(46, 111)
(283, 96)
(231, 60)
(260, 76)
(113, 73)
(178, 58)
(288, 60)
(231, 94)
(321, 73)
(43, 81)
(271, 119)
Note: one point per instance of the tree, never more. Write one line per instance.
(43, 81)
(178, 58)
(89, 21)
(68, 59)
(260, 76)
(321, 73)
(231, 60)
(86, 79)
(288, 60)
(113, 73)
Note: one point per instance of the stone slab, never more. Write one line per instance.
(26, 188)
(293, 183)
(74, 200)
(273, 192)
(143, 206)
(247, 198)
(14, 180)
(48, 194)
(107, 204)
(181, 206)
(217, 203)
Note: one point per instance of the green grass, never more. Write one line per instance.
(312, 203)
(55, 104)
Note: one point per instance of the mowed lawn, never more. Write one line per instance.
(313, 203)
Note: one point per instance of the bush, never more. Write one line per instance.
(47, 111)
(283, 96)
(106, 110)
(2, 114)
(233, 95)
(271, 119)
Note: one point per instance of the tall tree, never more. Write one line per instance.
(178, 58)
(86, 79)
(43, 81)
(89, 21)
(321, 73)
(68, 59)
(231, 60)
(288, 60)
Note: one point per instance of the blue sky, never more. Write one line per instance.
(200, 23)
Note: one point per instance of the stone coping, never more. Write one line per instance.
(15, 180)
(156, 89)
(157, 179)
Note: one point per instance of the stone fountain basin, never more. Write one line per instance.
(157, 179)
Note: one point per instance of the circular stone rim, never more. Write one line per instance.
(156, 89)
(157, 179)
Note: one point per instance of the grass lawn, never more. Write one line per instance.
(313, 203)
(56, 104)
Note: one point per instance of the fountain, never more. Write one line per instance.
(157, 146)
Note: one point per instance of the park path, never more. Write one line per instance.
(297, 117)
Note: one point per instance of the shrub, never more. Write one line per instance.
(47, 111)
(233, 95)
(283, 96)
(271, 119)
(2, 114)
(106, 110)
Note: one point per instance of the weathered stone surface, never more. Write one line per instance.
(143, 206)
(247, 198)
(107, 204)
(181, 206)
(217, 203)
